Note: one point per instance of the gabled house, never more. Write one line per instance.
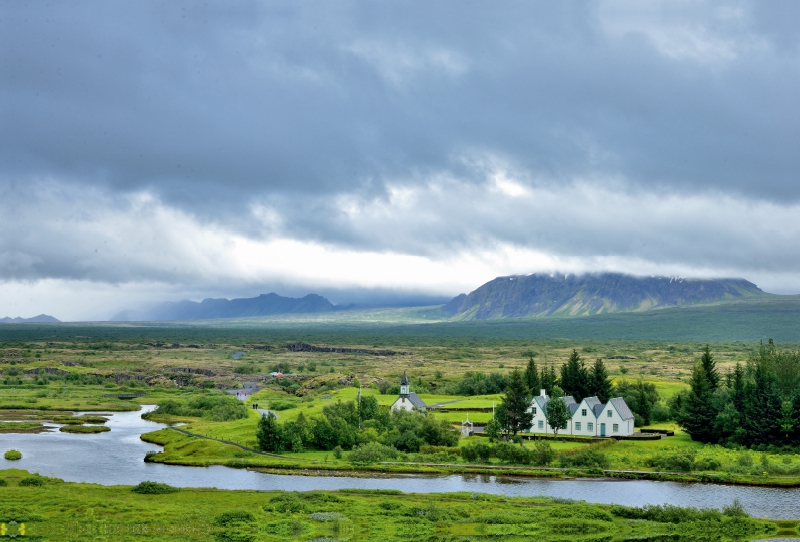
(408, 400)
(590, 417)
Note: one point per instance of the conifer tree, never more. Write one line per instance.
(548, 379)
(575, 377)
(762, 409)
(269, 434)
(599, 383)
(532, 376)
(710, 368)
(697, 416)
(516, 403)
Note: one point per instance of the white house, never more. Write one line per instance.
(590, 418)
(408, 400)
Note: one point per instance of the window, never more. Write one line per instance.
(615, 427)
(541, 424)
(609, 414)
(577, 426)
(583, 412)
(533, 410)
(590, 426)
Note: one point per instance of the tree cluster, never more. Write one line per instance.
(755, 405)
(349, 424)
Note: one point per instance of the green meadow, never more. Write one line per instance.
(42, 508)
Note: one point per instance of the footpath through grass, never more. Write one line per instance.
(49, 509)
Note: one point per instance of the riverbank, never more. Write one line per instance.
(182, 447)
(160, 513)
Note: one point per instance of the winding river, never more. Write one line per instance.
(116, 457)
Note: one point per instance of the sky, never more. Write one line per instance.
(384, 152)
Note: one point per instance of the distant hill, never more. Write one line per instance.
(41, 319)
(263, 305)
(543, 295)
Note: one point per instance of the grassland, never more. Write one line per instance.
(119, 367)
(49, 509)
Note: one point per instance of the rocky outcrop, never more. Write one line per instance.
(304, 347)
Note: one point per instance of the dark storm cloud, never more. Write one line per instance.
(136, 136)
(206, 100)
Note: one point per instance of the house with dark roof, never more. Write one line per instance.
(408, 400)
(589, 418)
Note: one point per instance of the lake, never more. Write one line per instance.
(116, 457)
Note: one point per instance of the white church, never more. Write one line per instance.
(408, 400)
(590, 417)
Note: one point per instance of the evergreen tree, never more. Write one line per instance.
(532, 379)
(269, 434)
(548, 379)
(697, 416)
(762, 409)
(599, 383)
(644, 407)
(557, 414)
(516, 404)
(575, 377)
(710, 368)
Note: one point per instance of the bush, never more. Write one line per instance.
(543, 453)
(286, 503)
(477, 451)
(3, 482)
(217, 407)
(707, 464)
(587, 457)
(680, 462)
(372, 452)
(32, 481)
(667, 513)
(450, 450)
(337, 452)
(232, 517)
(282, 404)
(13, 455)
(154, 488)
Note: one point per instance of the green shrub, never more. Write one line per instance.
(13, 455)
(587, 457)
(680, 462)
(287, 503)
(282, 404)
(707, 464)
(217, 407)
(32, 481)
(232, 517)
(3, 482)
(449, 450)
(371, 452)
(337, 452)
(154, 488)
(667, 513)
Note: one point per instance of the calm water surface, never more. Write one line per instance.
(116, 457)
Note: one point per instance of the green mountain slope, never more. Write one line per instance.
(597, 293)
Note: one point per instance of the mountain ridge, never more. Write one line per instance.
(560, 295)
(211, 308)
(39, 319)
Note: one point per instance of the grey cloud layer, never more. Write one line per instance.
(622, 122)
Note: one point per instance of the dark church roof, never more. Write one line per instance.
(404, 380)
(416, 401)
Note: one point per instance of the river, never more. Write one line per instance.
(116, 457)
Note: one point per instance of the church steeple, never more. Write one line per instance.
(405, 385)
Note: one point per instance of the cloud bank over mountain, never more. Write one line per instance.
(376, 151)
